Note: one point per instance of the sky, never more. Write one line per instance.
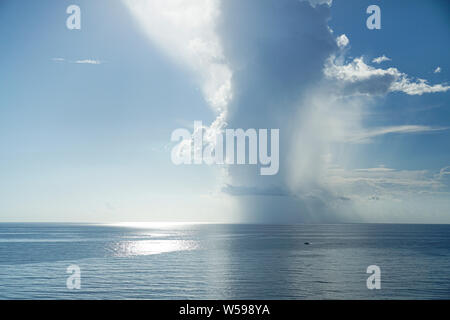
(86, 115)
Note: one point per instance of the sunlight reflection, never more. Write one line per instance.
(149, 247)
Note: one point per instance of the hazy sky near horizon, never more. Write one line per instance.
(86, 115)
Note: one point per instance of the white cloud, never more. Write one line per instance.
(366, 135)
(342, 41)
(80, 61)
(314, 3)
(443, 173)
(385, 183)
(375, 180)
(360, 78)
(418, 87)
(88, 61)
(376, 169)
(381, 59)
(437, 70)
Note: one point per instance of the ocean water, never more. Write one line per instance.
(167, 261)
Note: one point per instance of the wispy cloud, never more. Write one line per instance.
(252, 191)
(381, 59)
(79, 61)
(367, 135)
(386, 182)
(314, 3)
(88, 61)
(376, 169)
(388, 195)
(444, 172)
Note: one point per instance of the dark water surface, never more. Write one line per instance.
(163, 261)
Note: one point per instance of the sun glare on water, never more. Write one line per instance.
(149, 247)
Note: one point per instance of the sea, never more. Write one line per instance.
(224, 261)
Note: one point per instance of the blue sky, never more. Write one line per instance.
(91, 142)
(413, 35)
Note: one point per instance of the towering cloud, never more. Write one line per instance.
(277, 65)
(290, 73)
(277, 50)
